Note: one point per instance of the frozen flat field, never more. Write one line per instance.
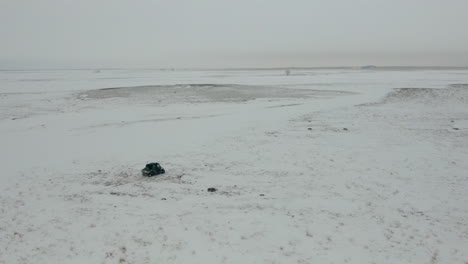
(323, 166)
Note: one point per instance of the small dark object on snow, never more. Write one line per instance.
(262, 194)
(309, 128)
(456, 128)
(211, 189)
(345, 129)
(152, 169)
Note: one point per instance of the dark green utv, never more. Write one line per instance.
(152, 169)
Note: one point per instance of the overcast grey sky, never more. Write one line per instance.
(235, 33)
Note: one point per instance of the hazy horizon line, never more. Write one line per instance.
(357, 67)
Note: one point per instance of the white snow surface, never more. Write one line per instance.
(322, 166)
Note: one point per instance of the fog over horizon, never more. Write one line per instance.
(232, 34)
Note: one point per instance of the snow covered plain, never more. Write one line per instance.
(323, 166)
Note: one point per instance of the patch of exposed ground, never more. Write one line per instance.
(198, 93)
